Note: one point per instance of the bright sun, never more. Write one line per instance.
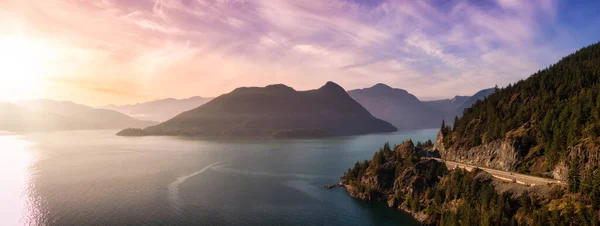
(23, 64)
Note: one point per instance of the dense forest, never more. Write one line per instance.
(436, 195)
(546, 115)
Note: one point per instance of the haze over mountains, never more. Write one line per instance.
(396, 106)
(405, 111)
(159, 110)
(274, 111)
(49, 115)
(455, 106)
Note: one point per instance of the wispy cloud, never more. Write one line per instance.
(177, 48)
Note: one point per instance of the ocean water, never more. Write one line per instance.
(96, 178)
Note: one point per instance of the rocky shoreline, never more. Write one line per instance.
(331, 186)
(435, 195)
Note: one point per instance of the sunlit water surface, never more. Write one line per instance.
(96, 178)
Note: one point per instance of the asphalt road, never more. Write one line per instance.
(504, 175)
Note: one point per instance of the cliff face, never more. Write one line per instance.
(509, 154)
(498, 154)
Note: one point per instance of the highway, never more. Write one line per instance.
(504, 175)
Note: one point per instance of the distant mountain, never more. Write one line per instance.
(49, 115)
(447, 105)
(273, 111)
(455, 106)
(160, 110)
(397, 106)
(405, 111)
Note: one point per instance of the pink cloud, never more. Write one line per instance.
(178, 48)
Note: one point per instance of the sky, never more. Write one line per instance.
(127, 51)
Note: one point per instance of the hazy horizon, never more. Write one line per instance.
(123, 52)
(103, 105)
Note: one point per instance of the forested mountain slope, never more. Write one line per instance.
(543, 125)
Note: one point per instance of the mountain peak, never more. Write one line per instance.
(279, 87)
(381, 86)
(332, 86)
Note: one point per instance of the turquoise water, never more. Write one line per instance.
(96, 178)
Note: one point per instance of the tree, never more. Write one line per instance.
(573, 177)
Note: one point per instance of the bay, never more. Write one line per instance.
(97, 178)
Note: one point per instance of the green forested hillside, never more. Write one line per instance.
(546, 115)
(436, 195)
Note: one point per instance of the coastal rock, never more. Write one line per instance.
(331, 186)
(402, 174)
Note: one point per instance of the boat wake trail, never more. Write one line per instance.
(224, 168)
(173, 188)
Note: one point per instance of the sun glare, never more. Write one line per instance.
(23, 64)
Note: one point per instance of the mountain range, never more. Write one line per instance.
(49, 115)
(273, 111)
(159, 110)
(405, 111)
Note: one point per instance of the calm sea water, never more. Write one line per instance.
(96, 178)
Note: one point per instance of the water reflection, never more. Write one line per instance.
(15, 177)
(96, 178)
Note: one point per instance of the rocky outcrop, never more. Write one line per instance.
(439, 143)
(498, 154)
(584, 156)
(331, 186)
(401, 174)
(560, 171)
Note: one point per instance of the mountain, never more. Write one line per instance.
(455, 106)
(273, 111)
(548, 124)
(482, 94)
(159, 110)
(447, 105)
(397, 106)
(15, 118)
(49, 115)
(405, 111)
